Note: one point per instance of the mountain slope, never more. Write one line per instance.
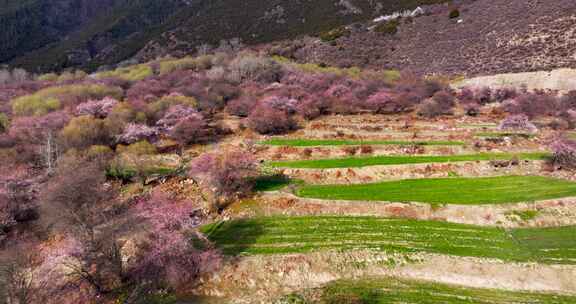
(490, 36)
(29, 24)
(118, 29)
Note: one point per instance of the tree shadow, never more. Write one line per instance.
(271, 182)
(235, 237)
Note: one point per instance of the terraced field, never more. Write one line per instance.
(358, 162)
(336, 142)
(392, 290)
(341, 219)
(282, 235)
(554, 245)
(463, 191)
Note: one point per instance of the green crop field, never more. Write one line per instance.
(358, 162)
(283, 235)
(554, 245)
(462, 191)
(336, 142)
(394, 290)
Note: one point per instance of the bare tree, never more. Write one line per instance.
(20, 280)
(19, 75)
(204, 49)
(78, 192)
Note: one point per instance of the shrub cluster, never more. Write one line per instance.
(517, 123)
(334, 34)
(265, 119)
(389, 27)
(252, 68)
(137, 132)
(563, 152)
(13, 76)
(53, 98)
(85, 131)
(187, 63)
(131, 73)
(441, 103)
(228, 175)
(97, 108)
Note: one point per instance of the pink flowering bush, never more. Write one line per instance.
(17, 205)
(33, 134)
(241, 106)
(175, 114)
(280, 103)
(483, 95)
(502, 94)
(338, 91)
(517, 122)
(226, 175)
(567, 101)
(185, 125)
(563, 152)
(97, 108)
(7, 218)
(265, 119)
(313, 107)
(34, 128)
(532, 104)
(137, 132)
(465, 95)
(383, 102)
(191, 130)
(441, 103)
(169, 255)
(312, 82)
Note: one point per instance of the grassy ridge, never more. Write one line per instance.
(338, 142)
(357, 162)
(463, 191)
(283, 235)
(393, 290)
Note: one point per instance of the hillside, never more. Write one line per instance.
(489, 36)
(174, 178)
(48, 35)
(317, 152)
(109, 36)
(30, 24)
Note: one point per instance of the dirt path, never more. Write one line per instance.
(410, 171)
(259, 279)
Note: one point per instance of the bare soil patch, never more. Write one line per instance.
(261, 279)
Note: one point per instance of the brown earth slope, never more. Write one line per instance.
(490, 36)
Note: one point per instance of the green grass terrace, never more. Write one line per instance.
(393, 290)
(358, 162)
(460, 191)
(338, 142)
(287, 235)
